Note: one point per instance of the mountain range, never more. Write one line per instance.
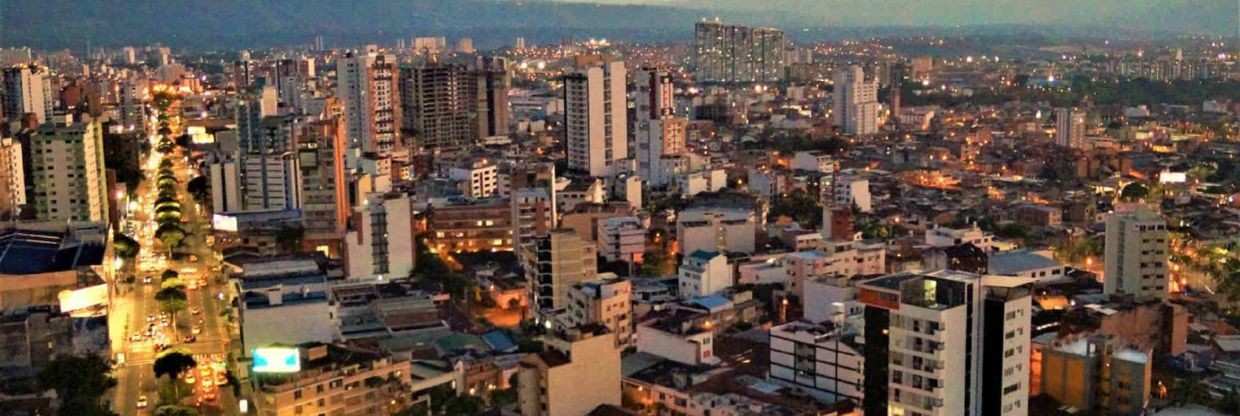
(54, 24)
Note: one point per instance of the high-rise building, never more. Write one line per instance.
(737, 54)
(1069, 127)
(946, 343)
(554, 263)
(596, 116)
(494, 81)
(438, 101)
(27, 89)
(325, 201)
(367, 83)
(855, 102)
(380, 245)
(67, 178)
(577, 371)
(452, 105)
(12, 178)
(1136, 250)
(653, 93)
(130, 55)
(518, 43)
(656, 131)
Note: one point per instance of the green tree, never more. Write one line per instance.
(79, 381)
(199, 189)
(173, 364)
(172, 300)
(126, 247)
(1133, 192)
(171, 234)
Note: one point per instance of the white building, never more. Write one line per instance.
(478, 178)
(1136, 252)
(954, 343)
(380, 245)
(704, 273)
(67, 171)
(851, 190)
(947, 237)
(822, 359)
(1039, 266)
(677, 340)
(693, 183)
(855, 102)
(716, 229)
(622, 239)
(12, 177)
(270, 183)
(814, 161)
(596, 116)
(27, 89)
(1069, 127)
(608, 302)
(225, 186)
(367, 85)
(274, 289)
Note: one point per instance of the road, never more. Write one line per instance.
(207, 297)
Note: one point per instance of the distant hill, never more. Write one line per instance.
(54, 24)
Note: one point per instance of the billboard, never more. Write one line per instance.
(277, 360)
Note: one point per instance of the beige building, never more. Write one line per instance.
(578, 370)
(596, 115)
(1136, 253)
(336, 380)
(607, 302)
(67, 176)
(554, 263)
(12, 177)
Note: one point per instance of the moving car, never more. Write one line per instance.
(142, 401)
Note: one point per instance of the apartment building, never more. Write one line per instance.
(946, 343)
(578, 371)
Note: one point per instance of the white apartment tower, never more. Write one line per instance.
(738, 54)
(380, 245)
(946, 343)
(367, 84)
(855, 102)
(27, 89)
(1136, 254)
(1069, 127)
(67, 176)
(596, 116)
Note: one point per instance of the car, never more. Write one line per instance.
(195, 330)
(150, 318)
(195, 310)
(143, 402)
(190, 339)
(189, 378)
(135, 338)
(147, 279)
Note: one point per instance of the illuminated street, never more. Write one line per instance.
(202, 329)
